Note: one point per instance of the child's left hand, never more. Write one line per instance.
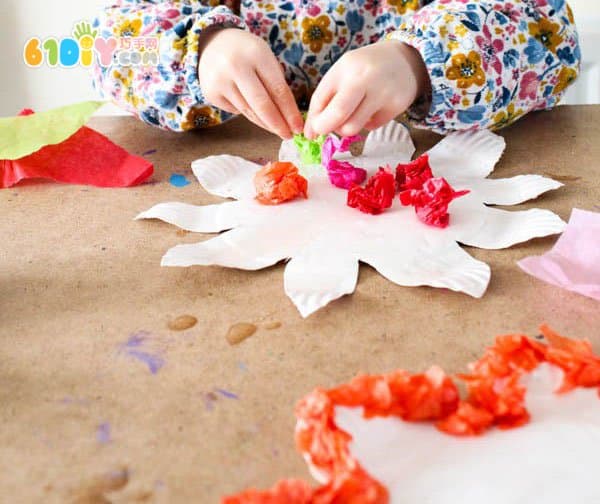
(366, 88)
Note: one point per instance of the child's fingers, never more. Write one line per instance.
(228, 106)
(272, 78)
(320, 99)
(262, 105)
(236, 98)
(224, 104)
(360, 117)
(341, 106)
(380, 118)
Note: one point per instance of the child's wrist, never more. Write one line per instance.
(208, 34)
(418, 68)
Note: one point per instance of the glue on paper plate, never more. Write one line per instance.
(527, 432)
(324, 240)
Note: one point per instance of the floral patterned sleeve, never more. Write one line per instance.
(491, 62)
(167, 95)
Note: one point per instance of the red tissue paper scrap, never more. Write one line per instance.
(495, 397)
(87, 158)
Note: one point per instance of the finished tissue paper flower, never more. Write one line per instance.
(323, 239)
(431, 201)
(279, 182)
(414, 174)
(376, 196)
(400, 438)
(342, 174)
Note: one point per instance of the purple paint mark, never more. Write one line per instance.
(135, 347)
(149, 152)
(103, 433)
(209, 401)
(597, 207)
(76, 401)
(210, 398)
(137, 339)
(154, 362)
(226, 393)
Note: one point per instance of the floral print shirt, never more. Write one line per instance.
(489, 61)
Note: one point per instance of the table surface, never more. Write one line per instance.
(81, 415)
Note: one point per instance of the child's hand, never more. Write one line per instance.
(366, 88)
(239, 73)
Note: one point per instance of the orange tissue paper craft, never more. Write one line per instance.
(84, 156)
(400, 437)
(278, 182)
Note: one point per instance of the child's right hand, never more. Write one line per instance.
(239, 73)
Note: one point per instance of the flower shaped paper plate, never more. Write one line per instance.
(324, 239)
(527, 431)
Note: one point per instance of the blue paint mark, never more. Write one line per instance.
(226, 393)
(178, 180)
(135, 347)
(103, 433)
(242, 367)
(149, 152)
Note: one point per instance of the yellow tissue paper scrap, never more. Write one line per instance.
(23, 135)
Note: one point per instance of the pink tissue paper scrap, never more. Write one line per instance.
(574, 262)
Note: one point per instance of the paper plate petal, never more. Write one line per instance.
(389, 145)
(226, 176)
(511, 191)
(501, 229)
(248, 248)
(466, 154)
(316, 276)
(441, 265)
(391, 141)
(207, 218)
